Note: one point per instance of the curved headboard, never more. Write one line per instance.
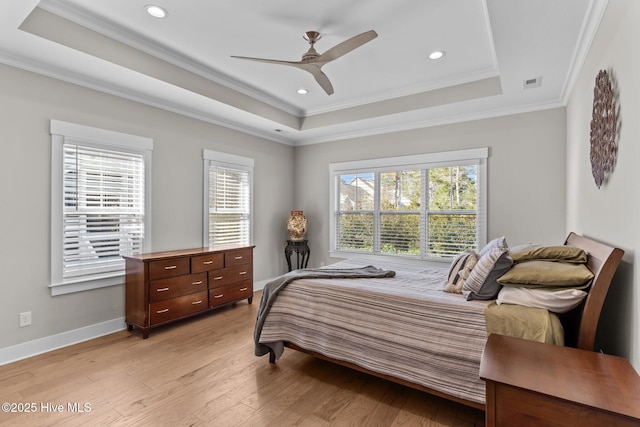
(603, 260)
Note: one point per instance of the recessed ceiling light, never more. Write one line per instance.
(302, 91)
(437, 54)
(155, 11)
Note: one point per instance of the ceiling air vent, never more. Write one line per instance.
(531, 83)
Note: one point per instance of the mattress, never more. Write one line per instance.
(405, 326)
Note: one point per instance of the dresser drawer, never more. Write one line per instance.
(162, 287)
(177, 307)
(225, 294)
(242, 256)
(206, 262)
(169, 268)
(177, 286)
(227, 276)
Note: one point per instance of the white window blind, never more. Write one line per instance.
(100, 205)
(103, 214)
(423, 207)
(228, 199)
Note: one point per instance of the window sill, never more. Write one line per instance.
(392, 258)
(80, 286)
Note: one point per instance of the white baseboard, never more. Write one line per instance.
(53, 342)
(258, 286)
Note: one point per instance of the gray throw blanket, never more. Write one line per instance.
(271, 290)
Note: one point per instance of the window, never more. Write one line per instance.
(429, 206)
(100, 207)
(228, 201)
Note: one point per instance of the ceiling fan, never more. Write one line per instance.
(312, 61)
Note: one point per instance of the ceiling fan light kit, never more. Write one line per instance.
(312, 61)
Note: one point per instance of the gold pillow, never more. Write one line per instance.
(548, 253)
(548, 274)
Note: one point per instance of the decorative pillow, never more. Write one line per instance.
(463, 262)
(549, 274)
(547, 253)
(464, 274)
(497, 243)
(481, 283)
(557, 301)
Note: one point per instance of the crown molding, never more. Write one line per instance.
(590, 25)
(421, 124)
(101, 86)
(137, 41)
(405, 91)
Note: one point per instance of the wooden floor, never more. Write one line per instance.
(202, 372)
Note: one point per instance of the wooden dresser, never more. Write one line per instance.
(162, 287)
(534, 384)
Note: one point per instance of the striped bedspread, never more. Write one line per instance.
(405, 326)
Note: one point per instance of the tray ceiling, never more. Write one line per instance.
(502, 57)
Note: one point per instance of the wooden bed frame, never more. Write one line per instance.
(580, 324)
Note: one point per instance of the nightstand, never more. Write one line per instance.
(301, 248)
(534, 384)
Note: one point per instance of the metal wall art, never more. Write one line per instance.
(603, 129)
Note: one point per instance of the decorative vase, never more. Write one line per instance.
(297, 225)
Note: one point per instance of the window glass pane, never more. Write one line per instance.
(400, 234)
(400, 190)
(453, 188)
(356, 192)
(451, 234)
(423, 206)
(103, 209)
(229, 206)
(355, 232)
(228, 229)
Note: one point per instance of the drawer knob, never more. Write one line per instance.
(242, 272)
(207, 262)
(199, 282)
(162, 311)
(238, 257)
(196, 302)
(170, 267)
(162, 289)
(218, 296)
(243, 289)
(217, 278)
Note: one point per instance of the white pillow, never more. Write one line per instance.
(556, 301)
(497, 243)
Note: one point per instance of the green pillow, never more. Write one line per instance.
(547, 253)
(547, 274)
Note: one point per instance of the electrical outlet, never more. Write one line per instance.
(25, 319)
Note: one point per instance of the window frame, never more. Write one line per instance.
(96, 138)
(232, 161)
(477, 156)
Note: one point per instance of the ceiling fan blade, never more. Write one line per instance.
(313, 64)
(320, 77)
(270, 61)
(312, 68)
(346, 46)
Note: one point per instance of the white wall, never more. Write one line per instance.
(526, 173)
(611, 213)
(531, 158)
(27, 103)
